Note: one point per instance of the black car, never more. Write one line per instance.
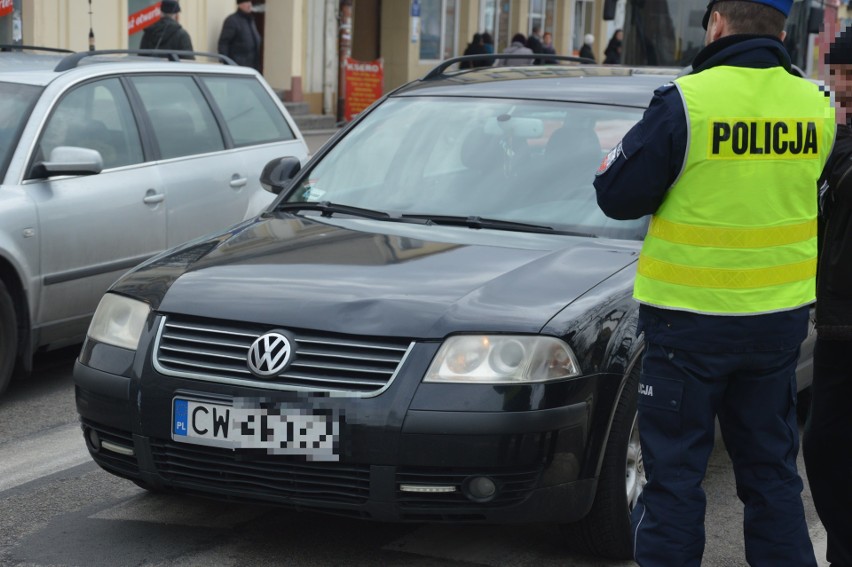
(433, 322)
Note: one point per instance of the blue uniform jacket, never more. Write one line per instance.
(653, 151)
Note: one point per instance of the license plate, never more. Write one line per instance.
(246, 424)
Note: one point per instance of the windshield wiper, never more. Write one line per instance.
(479, 222)
(327, 208)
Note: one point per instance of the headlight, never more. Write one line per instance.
(502, 359)
(119, 321)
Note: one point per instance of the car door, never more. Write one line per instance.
(256, 126)
(206, 184)
(92, 228)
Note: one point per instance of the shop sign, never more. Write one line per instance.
(140, 20)
(6, 7)
(364, 82)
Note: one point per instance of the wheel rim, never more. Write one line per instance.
(635, 470)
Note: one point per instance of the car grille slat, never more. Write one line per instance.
(200, 352)
(215, 350)
(261, 476)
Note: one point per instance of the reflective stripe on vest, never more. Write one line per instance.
(736, 233)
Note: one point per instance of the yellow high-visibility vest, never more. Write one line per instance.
(737, 231)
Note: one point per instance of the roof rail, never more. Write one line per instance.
(71, 61)
(17, 47)
(548, 57)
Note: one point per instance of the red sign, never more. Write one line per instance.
(6, 7)
(142, 19)
(364, 81)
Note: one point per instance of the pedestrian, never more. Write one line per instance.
(167, 33)
(729, 156)
(827, 443)
(612, 53)
(534, 42)
(239, 38)
(488, 42)
(475, 47)
(586, 50)
(547, 47)
(518, 47)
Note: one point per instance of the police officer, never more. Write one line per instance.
(726, 161)
(827, 442)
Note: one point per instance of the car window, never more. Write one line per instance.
(16, 101)
(251, 115)
(95, 115)
(522, 161)
(183, 122)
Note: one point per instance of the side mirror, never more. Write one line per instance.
(278, 173)
(70, 160)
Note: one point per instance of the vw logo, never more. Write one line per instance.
(269, 355)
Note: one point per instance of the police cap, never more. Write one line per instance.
(840, 50)
(782, 6)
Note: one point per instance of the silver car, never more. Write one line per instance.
(106, 160)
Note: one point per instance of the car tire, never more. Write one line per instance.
(8, 338)
(606, 531)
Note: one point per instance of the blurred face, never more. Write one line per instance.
(840, 81)
(245, 6)
(547, 38)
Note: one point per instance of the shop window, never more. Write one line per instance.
(11, 23)
(438, 29)
(584, 13)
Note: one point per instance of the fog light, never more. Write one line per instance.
(93, 440)
(480, 488)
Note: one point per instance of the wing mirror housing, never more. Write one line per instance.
(70, 160)
(278, 173)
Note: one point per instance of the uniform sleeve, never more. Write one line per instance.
(635, 176)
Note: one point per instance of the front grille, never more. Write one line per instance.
(261, 476)
(208, 349)
(513, 486)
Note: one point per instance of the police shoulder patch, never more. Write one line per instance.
(609, 159)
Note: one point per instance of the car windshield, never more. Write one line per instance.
(16, 101)
(521, 161)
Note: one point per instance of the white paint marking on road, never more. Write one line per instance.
(49, 452)
(819, 539)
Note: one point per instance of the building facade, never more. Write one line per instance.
(304, 41)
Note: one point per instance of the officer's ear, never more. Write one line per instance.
(717, 27)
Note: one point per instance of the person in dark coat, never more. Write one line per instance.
(612, 53)
(167, 33)
(586, 50)
(240, 39)
(488, 42)
(547, 47)
(534, 42)
(827, 443)
(475, 47)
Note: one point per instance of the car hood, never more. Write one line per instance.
(379, 278)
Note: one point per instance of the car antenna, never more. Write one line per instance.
(91, 29)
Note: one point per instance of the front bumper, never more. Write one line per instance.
(540, 445)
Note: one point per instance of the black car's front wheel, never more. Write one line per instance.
(8, 337)
(605, 531)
